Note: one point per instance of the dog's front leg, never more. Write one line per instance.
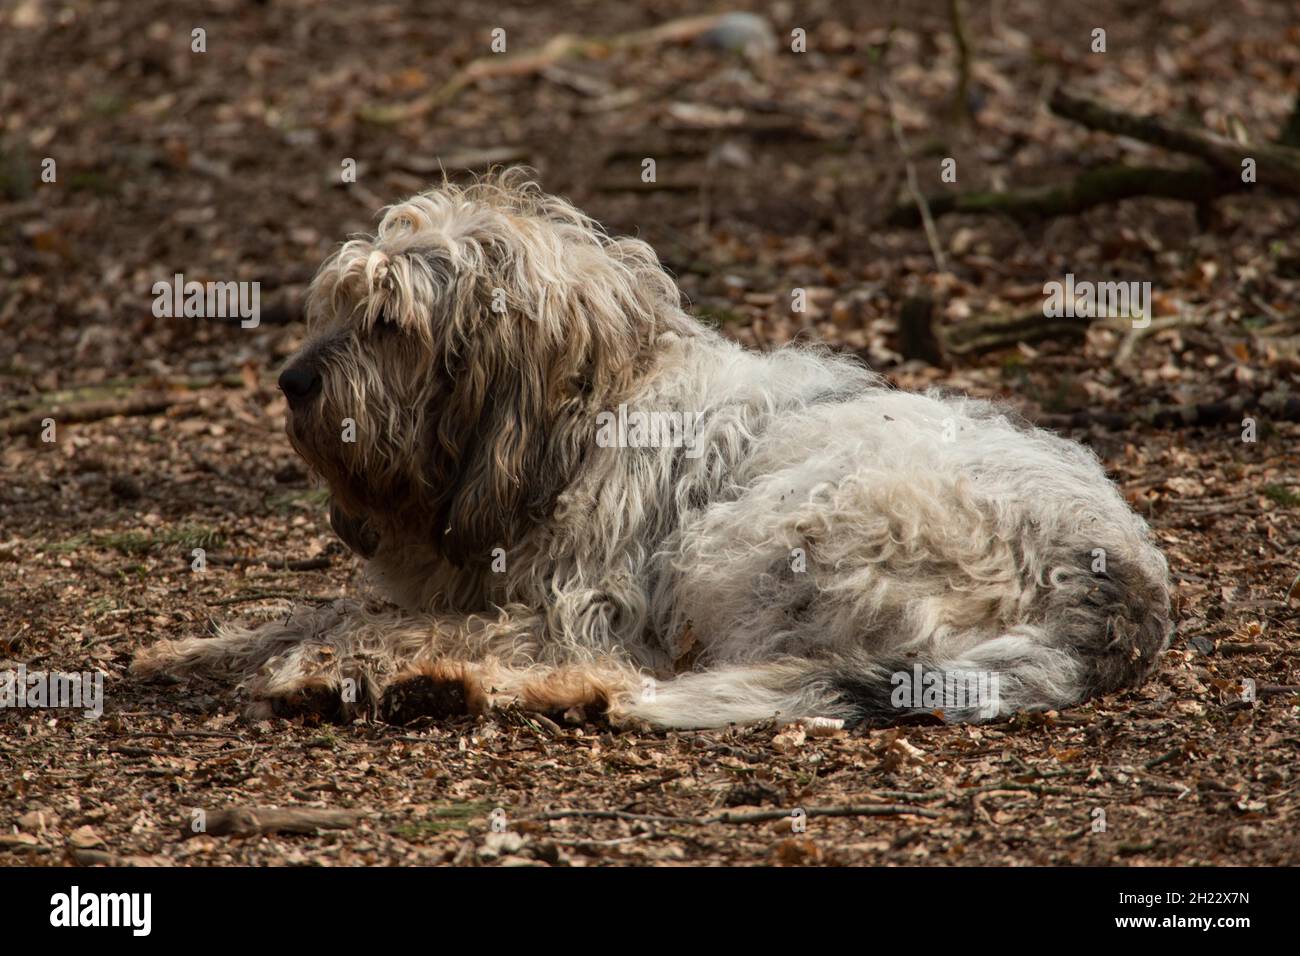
(339, 660)
(348, 660)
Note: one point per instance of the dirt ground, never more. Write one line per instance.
(773, 172)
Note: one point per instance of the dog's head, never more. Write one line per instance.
(455, 362)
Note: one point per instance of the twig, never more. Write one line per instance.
(1165, 757)
(1268, 310)
(913, 186)
(224, 735)
(871, 810)
(249, 821)
(531, 62)
(89, 857)
(1290, 592)
(1135, 333)
(978, 795)
(612, 815)
(960, 100)
(272, 595)
(318, 563)
(657, 782)
(603, 843)
(759, 816)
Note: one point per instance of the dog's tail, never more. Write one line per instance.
(786, 690)
(1098, 633)
(856, 688)
(991, 679)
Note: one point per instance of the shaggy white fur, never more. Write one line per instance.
(816, 538)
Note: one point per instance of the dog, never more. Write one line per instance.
(571, 494)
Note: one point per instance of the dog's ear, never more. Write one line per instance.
(512, 444)
(552, 322)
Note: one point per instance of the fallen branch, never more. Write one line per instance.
(611, 815)
(759, 816)
(1165, 757)
(870, 810)
(999, 332)
(1229, 411)
(250, 821)
(1136, 334)
(530, 62)
(1008, 786)
(1197, 184)
(86, 857)
(273, 596)
(1276, 165)
(319, 563)
(1243, 648)
(150, 403)
(119, 388)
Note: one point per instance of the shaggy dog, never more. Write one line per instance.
(575, 495)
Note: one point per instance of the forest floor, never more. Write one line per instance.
(774, 172)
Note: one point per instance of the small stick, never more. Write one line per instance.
(249, 821)
(148, 403)
(759, 816)
(913, 184)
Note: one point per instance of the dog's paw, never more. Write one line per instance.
(319, 703)
(408, 699)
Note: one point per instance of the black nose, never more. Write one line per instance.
(299, 382)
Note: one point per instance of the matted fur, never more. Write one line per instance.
(831, 531)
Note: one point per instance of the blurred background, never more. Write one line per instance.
(775, 169)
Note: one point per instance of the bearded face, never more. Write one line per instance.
(456, 361)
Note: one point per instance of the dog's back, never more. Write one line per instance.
(834, 535)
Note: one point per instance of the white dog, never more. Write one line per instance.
(575, 494)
